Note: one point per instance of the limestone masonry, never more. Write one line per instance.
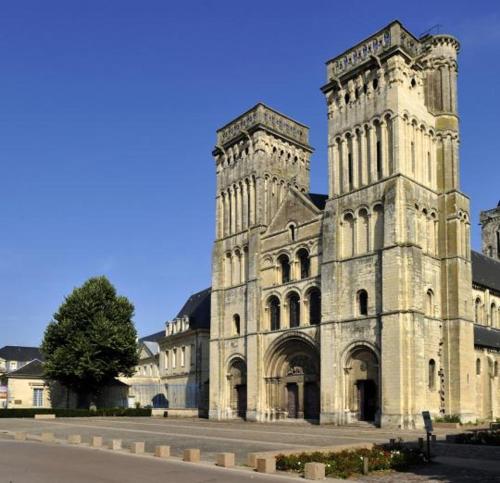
(363, 304)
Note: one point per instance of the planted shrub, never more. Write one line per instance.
(350, 462)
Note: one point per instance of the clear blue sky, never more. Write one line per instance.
(108, 112)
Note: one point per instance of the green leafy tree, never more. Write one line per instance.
(91, 340)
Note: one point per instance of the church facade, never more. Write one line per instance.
(366, 303)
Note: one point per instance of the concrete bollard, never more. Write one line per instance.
(20, 436)
(252, 460)
(192, 455)
(96, 442)
(421, 443)
(366, 468)
(48, 437)
(116, 444)
(226, 460)
(314, 471)
(433, 438)
(162, 451)
(74, 439)
(266, 465)
(137, 447)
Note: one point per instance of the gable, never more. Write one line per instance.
(295, 208)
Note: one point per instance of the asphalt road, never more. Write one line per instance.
(32, 462)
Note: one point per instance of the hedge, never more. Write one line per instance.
(73, 413)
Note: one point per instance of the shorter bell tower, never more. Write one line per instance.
(490, 232)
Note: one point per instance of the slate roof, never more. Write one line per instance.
(197, 308)
(153, 347)
(485, 271)
(153, 337)
(32, 369)
(318, 200)
(19, 353)
(486, 337)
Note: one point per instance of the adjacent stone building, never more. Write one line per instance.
(361, 304)
(173, 368)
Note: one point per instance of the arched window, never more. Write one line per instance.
(274, 313)
(292, 230)
(284, 268)
(493, 315)
(432, 374)
(363, 231)
(348, 235)
(294, 310)
(236, 324)
(477, 311)
(478, 367)
(362, 302)
(378, 225)
(429, 304)
(314, 306)
(227, 269)
(305, 264)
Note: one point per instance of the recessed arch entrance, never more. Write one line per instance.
(237, 380)
(293, 379)
(362, 394)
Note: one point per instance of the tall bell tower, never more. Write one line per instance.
(396, 270)
(258, 157)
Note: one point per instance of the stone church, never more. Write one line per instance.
(365, 304)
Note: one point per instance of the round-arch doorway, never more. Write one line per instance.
(293, 380)
(363, 386)
(237, 379)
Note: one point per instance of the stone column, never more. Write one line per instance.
(301, 399)
(384, 148)
(244, 222)
(233, 209)
(372, 158)
(364, 158)
(227, 213)
(345, 169)
(355, 161)
(220, 215)
(252, 201)
(238, 207)
(335, 161)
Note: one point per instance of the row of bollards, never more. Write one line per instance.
(259, 462)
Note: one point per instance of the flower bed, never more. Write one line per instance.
(486, 437)
(347, 463)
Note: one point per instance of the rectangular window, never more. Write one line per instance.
(37, 397)
(183, 356)
(12, 365)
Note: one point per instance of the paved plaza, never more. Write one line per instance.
(211, 437)
(20, 461)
